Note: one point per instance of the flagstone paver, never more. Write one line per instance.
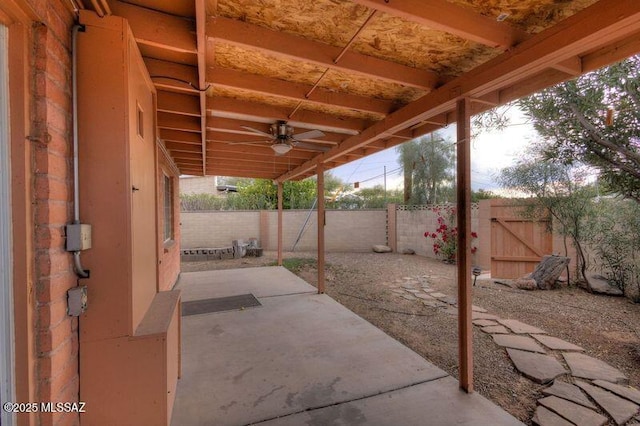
(475, 308)
(537, 367)
(520, 327)
(495, 329)
(619, 409)
(409, 297)
(556, 343)
(627, 392)
(449, 300)
(484, 323)
(431, 303)
(438, 295)
(518, 342)
(413, 290)
(575, 413)
(423, 296)
(569, 392)
(481, 315)
(451, 310)
(396, 291)
(546, 417)
(587, 367)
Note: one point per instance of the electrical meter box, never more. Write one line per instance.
(78, 237)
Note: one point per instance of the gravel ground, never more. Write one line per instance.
(607, 327)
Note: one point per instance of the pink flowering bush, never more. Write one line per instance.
(445, 236)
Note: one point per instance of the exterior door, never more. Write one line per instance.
(6, 281)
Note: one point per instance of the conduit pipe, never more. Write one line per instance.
(76, 175)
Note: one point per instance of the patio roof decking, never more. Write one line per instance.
(302, 358)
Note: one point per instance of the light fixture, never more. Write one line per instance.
(281, 148)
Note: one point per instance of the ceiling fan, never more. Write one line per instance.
(282, 139)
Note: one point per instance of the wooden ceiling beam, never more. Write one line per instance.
(234, 108)
(252, 166)
(176, 155)
(302, 49)
(171, 121)
(595, 27)
(255, 158)
(183, 147)
(158, 29)
(453, 19)
(226, 77)
(239, 173)
(172, 76)
(178, 103)
(201, 45)
(179, 136)
(571, 66)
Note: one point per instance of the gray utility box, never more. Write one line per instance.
(78, 237)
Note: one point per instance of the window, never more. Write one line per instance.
(168, 208)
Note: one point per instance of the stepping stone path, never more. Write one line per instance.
(518, 342)
(555, 343)
(495, 329)
(564, 403)
(537, 367)
(569, 392)
(586, 367)
(619, 409)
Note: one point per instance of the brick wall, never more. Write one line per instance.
(56, 334)
(346, 230)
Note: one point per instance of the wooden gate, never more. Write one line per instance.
(517, 243)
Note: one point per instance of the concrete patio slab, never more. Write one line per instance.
(587, 367)
(261, 282)
(302, 352)
(439, 402)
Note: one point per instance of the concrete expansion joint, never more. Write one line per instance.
(347, 401)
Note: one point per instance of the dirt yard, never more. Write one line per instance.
(607, 328)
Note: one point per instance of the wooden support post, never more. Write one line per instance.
(280, 223)
(465, 297)
(321, 223)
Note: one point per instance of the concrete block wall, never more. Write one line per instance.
(217, 229)
(412, 223)
(345, 230)
(198, 185)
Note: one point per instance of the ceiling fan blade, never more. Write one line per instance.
(311, 134)
(259, 132)
(311, 147)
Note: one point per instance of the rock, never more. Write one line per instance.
(577, 414)
(586, 367)
(520, 327)
(545, 417)
(526, 284)
(537, 367)
(548, 270)
(555, 343)
(518, 342)
(408, 251)
(381, 249)
(600, 285)
(619, 409)
(624, 391)
(569, 392)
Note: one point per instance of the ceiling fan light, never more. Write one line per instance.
(281, 148)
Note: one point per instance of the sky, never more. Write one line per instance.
(490, 152)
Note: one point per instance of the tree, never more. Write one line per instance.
(595, 120)
(427, 164)
(557, 188)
